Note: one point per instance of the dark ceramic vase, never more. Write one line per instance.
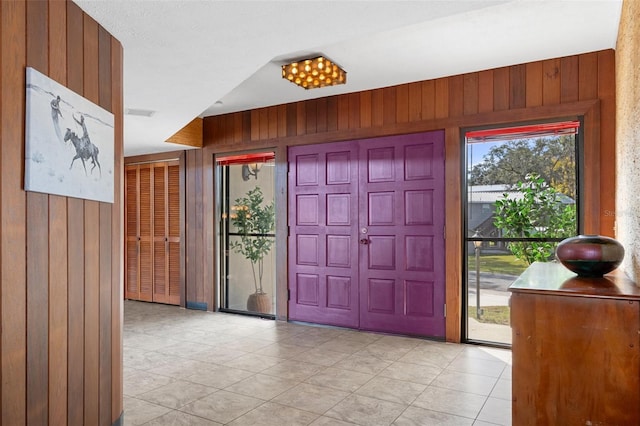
(590, 255)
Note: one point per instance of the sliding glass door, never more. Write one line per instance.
(522, 198)
(247, 233)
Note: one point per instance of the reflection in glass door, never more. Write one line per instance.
(247, 233)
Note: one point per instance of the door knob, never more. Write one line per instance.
(364, 241)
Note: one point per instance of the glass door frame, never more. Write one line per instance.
(466, 240)
(220, 226)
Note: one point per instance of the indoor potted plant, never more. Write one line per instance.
(255, 223)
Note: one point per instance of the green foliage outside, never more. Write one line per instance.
(553, 158)
(539, 213)
(253, 222)
(491, 314)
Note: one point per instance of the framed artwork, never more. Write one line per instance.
(69, 142)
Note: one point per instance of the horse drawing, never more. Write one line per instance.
(85, 150)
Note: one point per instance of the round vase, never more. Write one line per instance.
(259, 302)
(590, 255)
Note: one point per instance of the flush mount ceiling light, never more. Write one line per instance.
(313, 73)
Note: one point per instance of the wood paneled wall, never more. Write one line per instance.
(60, 258)
(581, 85)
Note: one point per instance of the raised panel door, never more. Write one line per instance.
(323, 266)
(366, 243)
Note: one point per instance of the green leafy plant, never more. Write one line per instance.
(254, 222)
(538, 213)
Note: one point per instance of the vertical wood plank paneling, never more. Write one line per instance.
(91, 312)
(332, 113)
(551, 82)
(428, 100)
(37, 317)
(607, 95)
(377, 107)
(75, 239)
(321, 115)
(106, 250)
(263, 117)
(569, 79)
(415, 101)
(470, 89)
(49, 307)
(37, 247)
(389, 99)
(91, 247)
(301, 118)
(365, 109)
(517, 86)
(255, 127)
(282, 120)
(587, 74)
(75, 272)
(58, 241)
(12, 216)
(500, 89)
(534, 84)
(272, 113)
(58, 310)
(117, 238)
(354, 110)
(441, 98)
(292, 128)
(246, 125)
(343, 112)
(311, 112)
(485, 91)
(237, 127)
(402, 103)
(456, 96)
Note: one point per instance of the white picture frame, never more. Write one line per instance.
(69, 142)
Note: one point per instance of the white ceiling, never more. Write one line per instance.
(183, 56)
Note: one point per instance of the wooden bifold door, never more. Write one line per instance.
(152, 230)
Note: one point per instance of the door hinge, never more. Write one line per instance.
(288, 294)
(445, 310)
(288, 230)
(444, 232)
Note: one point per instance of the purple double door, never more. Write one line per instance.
(366, 234)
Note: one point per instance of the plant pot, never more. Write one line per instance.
(259, 302)
(590, 255)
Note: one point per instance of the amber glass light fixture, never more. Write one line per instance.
(316, 72)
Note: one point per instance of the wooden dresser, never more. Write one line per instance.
(576, 348)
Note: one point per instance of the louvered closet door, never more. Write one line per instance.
(131, 231)
(166, 233)
(173, 233)
(153, 232)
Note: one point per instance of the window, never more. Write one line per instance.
(522, 198)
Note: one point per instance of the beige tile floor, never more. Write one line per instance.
(184, 367)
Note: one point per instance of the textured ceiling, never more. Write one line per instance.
(183, 56)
